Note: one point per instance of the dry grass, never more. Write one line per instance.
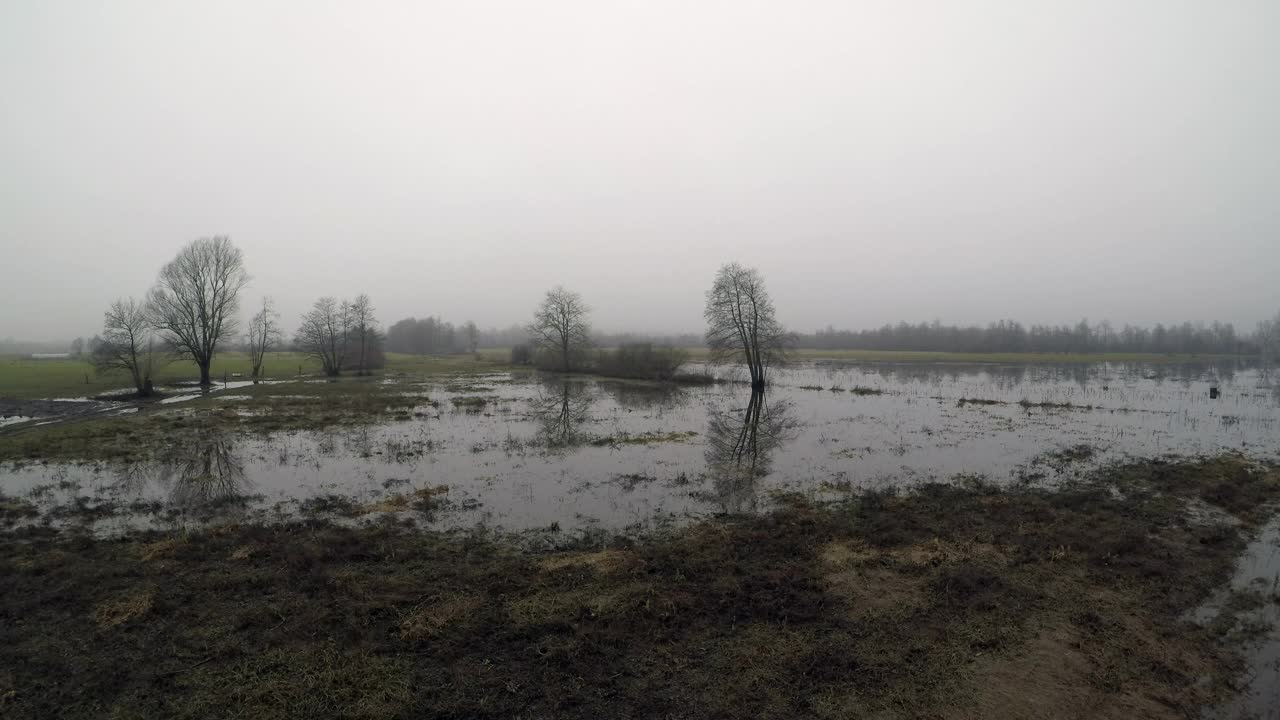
(160, 549)
(431, 619)
(121, 610)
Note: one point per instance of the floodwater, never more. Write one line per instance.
(1257, 574)
(518, 452)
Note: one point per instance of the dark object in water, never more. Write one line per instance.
(1213, 393)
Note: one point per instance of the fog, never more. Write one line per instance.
(876, 161)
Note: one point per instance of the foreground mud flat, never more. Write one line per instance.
(952, 601)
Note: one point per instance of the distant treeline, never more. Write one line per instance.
(433, 335)
(1012, 336)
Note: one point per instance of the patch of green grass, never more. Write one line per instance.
(648, 438)
(23, 378)
(978, 401)
(1027, 404)
(267, 408)
(471, 402)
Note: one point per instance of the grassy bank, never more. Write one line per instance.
(948, 603)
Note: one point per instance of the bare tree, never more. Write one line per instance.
(264, 334)
(77, 347)
(195, 299)
(325, 333)
(472, 334)
(741, 326)
(1268, 338)
(560, 325)
(127, 343)
(364, 328)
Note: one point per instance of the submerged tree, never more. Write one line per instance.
(741, 326)
(560, 325)
(264, 334)
(195, 299)
(127, 343)
(325, 332)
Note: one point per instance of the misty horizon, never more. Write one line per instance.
(876, 164)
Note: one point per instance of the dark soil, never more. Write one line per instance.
(945, 603)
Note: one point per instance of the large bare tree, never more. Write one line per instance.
(195, 299)
(741, 326)
(127, 343)
(364, 328)
(264, 334)
(560, 325)
(325, 334)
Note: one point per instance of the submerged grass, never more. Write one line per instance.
(951, 602)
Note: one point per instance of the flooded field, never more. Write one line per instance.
(516, 451)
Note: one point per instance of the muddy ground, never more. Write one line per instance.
(949, 602)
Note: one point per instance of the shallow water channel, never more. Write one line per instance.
(518, 451)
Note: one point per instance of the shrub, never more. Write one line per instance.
(641, 360)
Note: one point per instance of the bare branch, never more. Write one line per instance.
(194, 302)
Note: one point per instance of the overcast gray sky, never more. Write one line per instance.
(877, 161)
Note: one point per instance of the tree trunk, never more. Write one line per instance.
(204, 374)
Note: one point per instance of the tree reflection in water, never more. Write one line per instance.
(204, 473)
(199, 472)
(561, 409)
(740, 447)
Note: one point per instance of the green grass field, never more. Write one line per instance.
(24, 378)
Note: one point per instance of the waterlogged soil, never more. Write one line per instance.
(518, 451)
(1251, 605)
(951, 602)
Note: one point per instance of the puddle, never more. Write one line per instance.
(14, 419)
(178, 399)
(1258, 572)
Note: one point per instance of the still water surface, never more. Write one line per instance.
(588, 452)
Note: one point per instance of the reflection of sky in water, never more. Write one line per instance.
(544, 451)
